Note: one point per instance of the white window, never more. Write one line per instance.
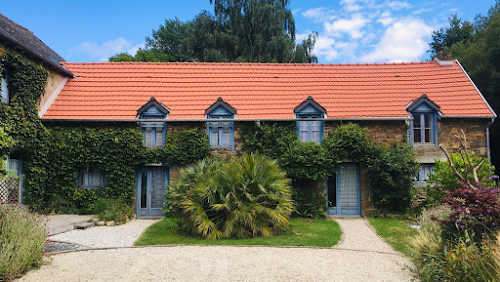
(5, 86)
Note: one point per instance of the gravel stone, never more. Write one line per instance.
(107, 236)
(362, 256)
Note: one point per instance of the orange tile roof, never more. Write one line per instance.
(263, 91)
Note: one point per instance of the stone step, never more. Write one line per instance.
(85, 225)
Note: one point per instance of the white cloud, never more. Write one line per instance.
(398, 5)
(107, 49)
(350, 26)
(351, 5)
(325, 46)
(295, 11)
(423, 10)
(320, 14)
(403, 41)
(385, 18)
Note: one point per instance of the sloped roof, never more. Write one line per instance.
(115, 91)
(26, 40)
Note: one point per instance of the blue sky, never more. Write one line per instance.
(350, 31)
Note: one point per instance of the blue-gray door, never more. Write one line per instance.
(343, 191)
(150, 192)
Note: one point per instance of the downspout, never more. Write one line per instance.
(488, 143)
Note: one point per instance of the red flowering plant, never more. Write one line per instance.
(475, 209)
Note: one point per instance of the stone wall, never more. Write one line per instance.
(475, 132)
(379, 131)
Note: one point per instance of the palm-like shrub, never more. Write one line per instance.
(243, 197)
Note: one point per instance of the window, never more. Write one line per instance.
(310, 131)
(91, 177)
(153, 134)
(14, 164)
(424, 172)
(423, 128)
(5, 86)
(221, 134)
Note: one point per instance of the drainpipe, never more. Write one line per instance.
(488, 142)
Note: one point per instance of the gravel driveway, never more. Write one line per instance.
(362, 256)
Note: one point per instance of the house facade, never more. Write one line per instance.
(20, 50)
(424, 104)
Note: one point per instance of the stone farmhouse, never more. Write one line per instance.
(423, 104)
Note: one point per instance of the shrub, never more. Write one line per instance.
(242, 197)
(112, 209)
(348, 142)
(307, 160)
(22, 238)
(473, 209)
(444, 177)
(391, 172)
(431, 218)
(309, 202)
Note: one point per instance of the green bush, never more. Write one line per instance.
(391, 172)
(243, 197)
(309, 202)
(22, 238)
(444, 177)
(307, 160)
(112, 209)
(348, 142)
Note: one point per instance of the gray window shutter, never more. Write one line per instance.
(148, 137)
(215, 136)
(304, 131)
(159, 137)
(315, 131)
(226, 136)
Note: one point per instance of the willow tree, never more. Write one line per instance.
(238, 31)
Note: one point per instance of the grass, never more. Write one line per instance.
(303, 232)
(395, 232)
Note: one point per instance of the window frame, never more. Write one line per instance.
(102, 182)
(5, 81)
(154, 126)
(310, 137)
(421, 178)
(424, 116)
(213, 125)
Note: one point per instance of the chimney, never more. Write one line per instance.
(443, 59)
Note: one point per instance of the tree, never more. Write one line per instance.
(239, 31)
(458, 31)
(479, 53)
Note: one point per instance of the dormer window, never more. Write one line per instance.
(424, 124)
(310, 130)
(5, 86)
(153, 132)
(221, 134)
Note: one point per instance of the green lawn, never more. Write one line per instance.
(303, 232)
(395, 232)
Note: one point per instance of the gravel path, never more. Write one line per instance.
(106, 236)
(362, 256)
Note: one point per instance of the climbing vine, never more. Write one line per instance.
(391, 169)
(53, 152)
